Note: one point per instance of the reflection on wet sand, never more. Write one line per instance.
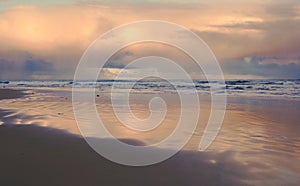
(257, 145)
(34, 155)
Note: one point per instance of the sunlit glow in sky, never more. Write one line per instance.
(251, 39)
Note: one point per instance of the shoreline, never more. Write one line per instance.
(19, 92)
(42, 145)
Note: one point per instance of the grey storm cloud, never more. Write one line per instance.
(283, 9)
(32, 65)
(256, 66)
(119, 59)
(25, 69)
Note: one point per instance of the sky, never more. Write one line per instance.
(251, 39)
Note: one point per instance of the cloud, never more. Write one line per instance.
(283, 9)
(259, 66)
(37, 29)
(39, 66)
(59, 34)
(273, 38)
(27, 69)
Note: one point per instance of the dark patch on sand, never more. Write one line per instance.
(11, 94)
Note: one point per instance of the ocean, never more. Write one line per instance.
(267, 88)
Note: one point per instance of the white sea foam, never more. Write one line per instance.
(275, 88)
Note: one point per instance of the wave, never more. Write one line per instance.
(286, 88)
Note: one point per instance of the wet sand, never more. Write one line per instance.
(259, 144)
(10, 94)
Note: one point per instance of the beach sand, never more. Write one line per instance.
(11, 94)
(259, 144)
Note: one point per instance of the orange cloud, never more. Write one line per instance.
(42, 30)
(60, 34)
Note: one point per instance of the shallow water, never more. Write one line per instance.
(262, 133)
